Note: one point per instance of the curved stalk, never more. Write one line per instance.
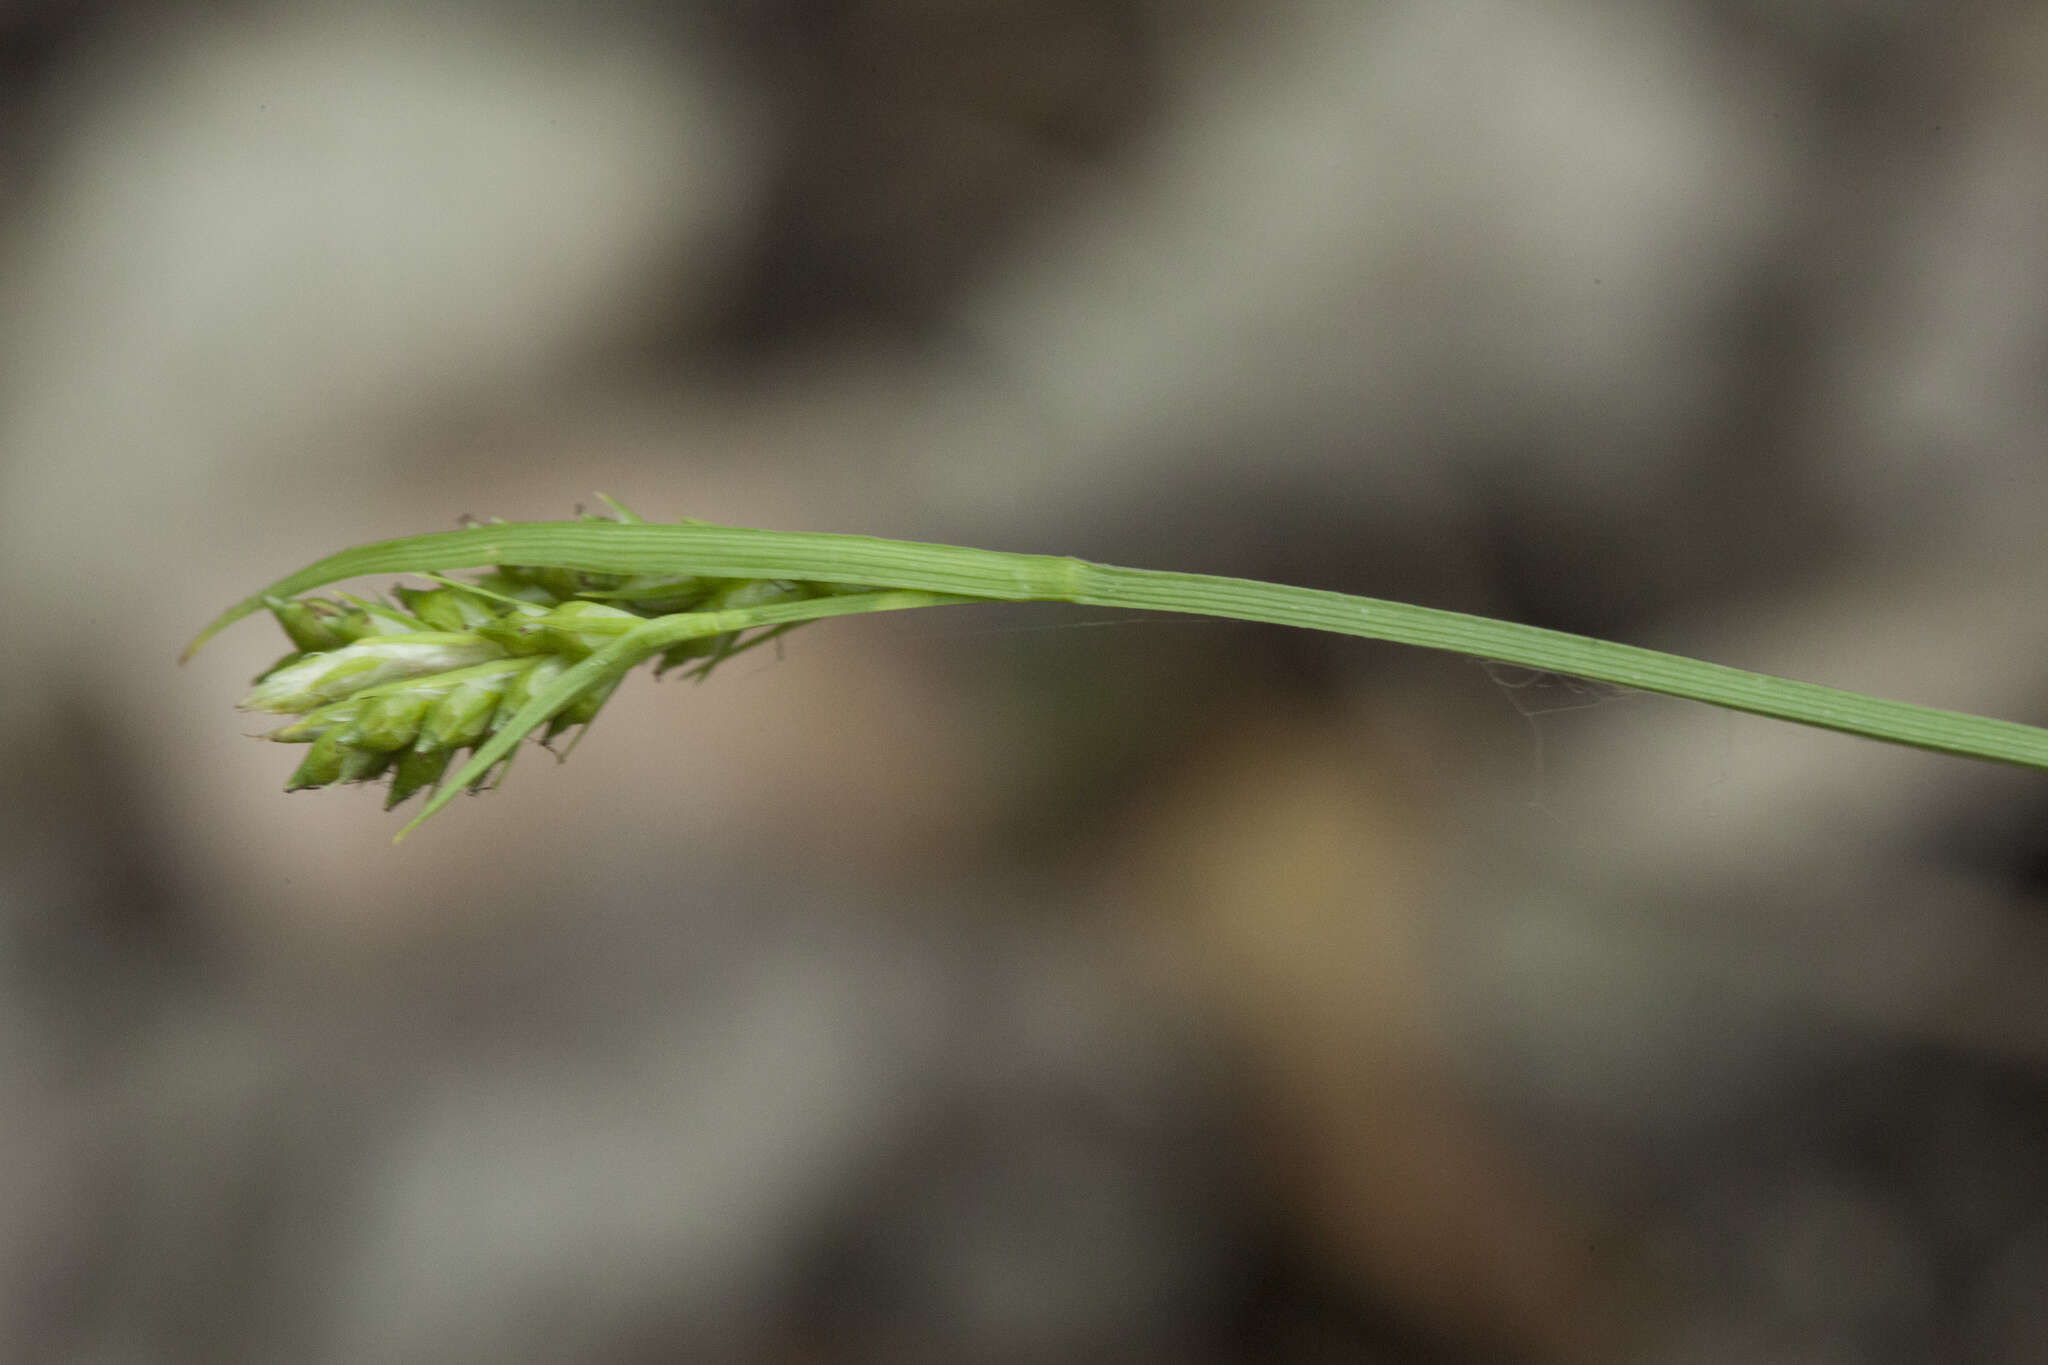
(898, 574)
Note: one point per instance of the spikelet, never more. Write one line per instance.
(402, 690)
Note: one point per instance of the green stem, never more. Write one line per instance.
(1555, 651)
(956, 573)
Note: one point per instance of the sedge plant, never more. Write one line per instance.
(560, 612)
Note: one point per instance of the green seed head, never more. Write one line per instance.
(407, 689)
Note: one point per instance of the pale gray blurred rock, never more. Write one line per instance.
(266, 248)
(1376, 238)
(556, 1199)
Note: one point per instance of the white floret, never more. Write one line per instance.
(330, 676)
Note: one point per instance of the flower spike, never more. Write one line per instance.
(560, 612)
(474, 666)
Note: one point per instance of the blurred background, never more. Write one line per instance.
(1018, 985)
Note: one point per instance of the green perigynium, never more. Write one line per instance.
(536, 643)
(302, 683)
